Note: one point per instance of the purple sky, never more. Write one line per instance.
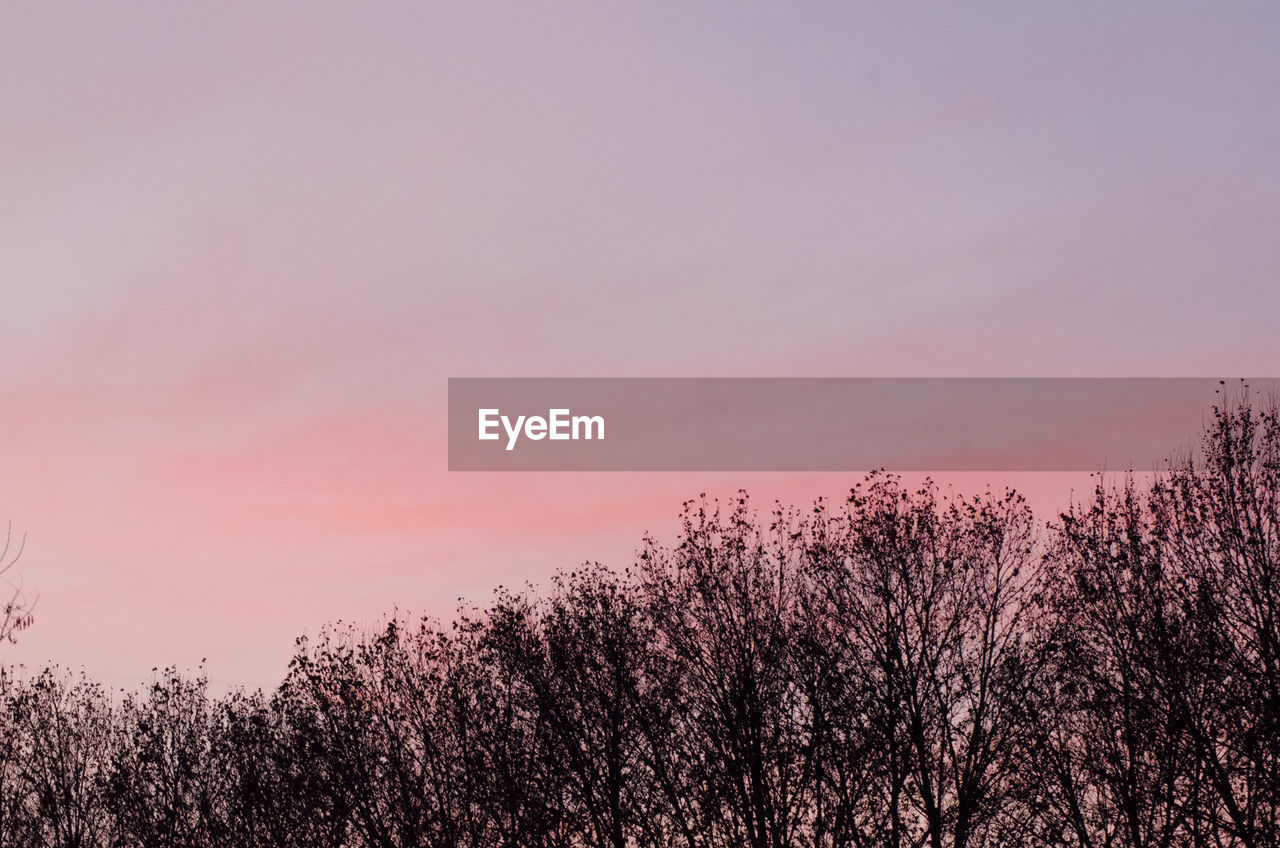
(243, 248)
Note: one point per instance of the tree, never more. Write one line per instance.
(910, 670)
(16, 613)
(165, 785)
(1218, 525)
(930, 602)
(735, 752)
(65, 730)
(1161, 720)
(581, 655)
(1109, 737)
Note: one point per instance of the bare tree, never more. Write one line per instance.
(16, 614)
(913, 670)
(581, 654)
(726, 609)
(1218, 525)
(65, 729)
(165, 785)
(1159, 724)
(933, 600)
(1109, 734)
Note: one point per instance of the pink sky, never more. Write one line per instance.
(243, 248)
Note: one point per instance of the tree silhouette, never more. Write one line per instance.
(909, 668)
(17, 609)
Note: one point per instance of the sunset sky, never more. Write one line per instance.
(243, 246)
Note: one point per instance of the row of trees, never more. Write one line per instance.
(904, 669)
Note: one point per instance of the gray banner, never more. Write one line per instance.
(827, 424)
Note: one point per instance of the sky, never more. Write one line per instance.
(243, 246)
